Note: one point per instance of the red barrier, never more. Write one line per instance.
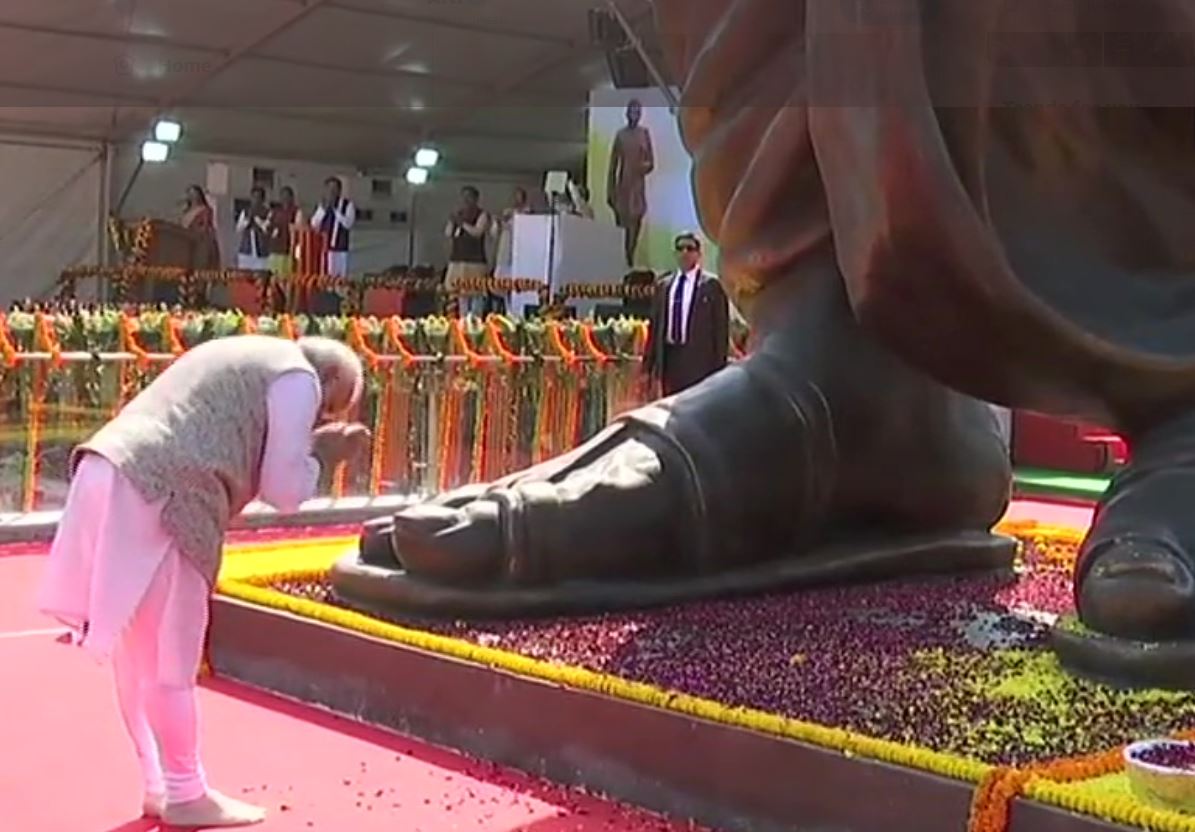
(246, 296)
(1065, 445)
(382, 303)
(311, 252)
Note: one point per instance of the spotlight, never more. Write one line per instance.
(416, 175)
(427, 157)
(168, 131)
(152, 151)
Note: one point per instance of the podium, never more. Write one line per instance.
(563, 248)
(170, 244)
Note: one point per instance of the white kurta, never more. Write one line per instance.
(111, 543)
(337, 263)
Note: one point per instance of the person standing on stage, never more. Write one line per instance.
(335, 217)
(631, 160)
(467, 229)
(689, 334)
(253, 227)
(286, 218)
(504, 230)
(138, 547)
(516, 302)
(199, 216)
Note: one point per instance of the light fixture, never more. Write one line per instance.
(416, 175)
(152, 151)
(168, 131)
(427, 157)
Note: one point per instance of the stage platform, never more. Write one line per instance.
(921, 706)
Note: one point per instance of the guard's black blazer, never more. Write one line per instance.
(705, 350)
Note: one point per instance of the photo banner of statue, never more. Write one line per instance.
(640, 176)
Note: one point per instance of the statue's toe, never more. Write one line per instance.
(1138, 589)
(376, 544)
(460, 545)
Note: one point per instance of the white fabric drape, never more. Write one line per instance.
(49, 215)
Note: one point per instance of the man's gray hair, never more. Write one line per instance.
(331, 357)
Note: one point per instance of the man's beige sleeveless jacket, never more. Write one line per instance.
(193, 439)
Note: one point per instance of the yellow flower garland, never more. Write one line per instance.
(1122, 809)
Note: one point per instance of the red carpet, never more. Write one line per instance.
(65, 764)
(1052, 513)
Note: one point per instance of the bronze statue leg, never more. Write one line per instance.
(820, 457)
(631, 232)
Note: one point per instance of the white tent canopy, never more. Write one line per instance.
(499, 85)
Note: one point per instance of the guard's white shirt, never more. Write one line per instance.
(686, 304)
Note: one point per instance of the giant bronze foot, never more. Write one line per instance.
(1135, 578)
(820, 458)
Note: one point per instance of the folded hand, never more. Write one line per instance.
(339, 442)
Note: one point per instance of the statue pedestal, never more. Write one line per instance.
(713, 761)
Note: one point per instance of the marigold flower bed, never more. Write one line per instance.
(956, 665)
(953, 676)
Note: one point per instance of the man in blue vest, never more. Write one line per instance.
(335, 217)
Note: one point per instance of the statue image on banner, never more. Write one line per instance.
(632, 159)
(918, 218)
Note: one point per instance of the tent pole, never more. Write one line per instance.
(124, 195)
(102, 253)
(412, 191)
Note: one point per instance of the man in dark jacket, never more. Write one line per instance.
(690, 322)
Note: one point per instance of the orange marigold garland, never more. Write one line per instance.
(541, 434)
(555, 334)
(47, 338)
(174, 335)
(461, 341)
(286, 325)
(498, 344)
(450, 435)
(360, 342)
(591, 344)
(991, 806)
(394, 338)
(36, 406)
(7, 349)
(397, 461)
(128, 340)
(992, 803)
(381, 434)
(481, 424)
(499, 413)
(122, 387)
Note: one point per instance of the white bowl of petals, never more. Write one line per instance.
(1162, 773)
